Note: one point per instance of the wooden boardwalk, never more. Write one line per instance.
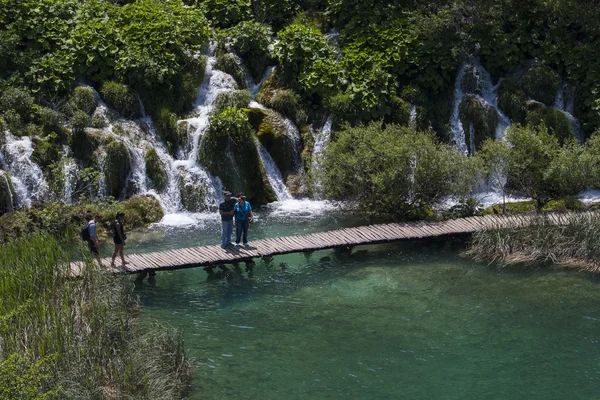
(204, 256)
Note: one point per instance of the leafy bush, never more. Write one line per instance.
(305, 55)
(251, 40)
(121, 98)
(537, 166)
(235, 98)
(394, 170)
(227, 13)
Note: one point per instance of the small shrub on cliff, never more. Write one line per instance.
(80, 120)
(83, 99)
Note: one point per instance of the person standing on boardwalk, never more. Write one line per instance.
(119, 237)
(93, 241)
(226, 210)
(243, 217)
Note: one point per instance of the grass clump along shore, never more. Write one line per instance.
(574, 244)
(66, 338)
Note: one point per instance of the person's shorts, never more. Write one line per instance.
(117, 240)
(93, 248)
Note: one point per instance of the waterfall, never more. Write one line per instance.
(254, 88)
(293, 133)
(456, 127)
(564, 102)
(486, 92)
(70, 171)
(413, 116)
(273, 174)
(27, 177)
(322, 137)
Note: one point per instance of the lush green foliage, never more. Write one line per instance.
(394, 170)
(250, 40)
(77, 338)
(536, 165)
(166, 125)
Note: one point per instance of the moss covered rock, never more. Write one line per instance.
(117, 167)
(121, 98)
(566, 204)
(85, 143)
(83, 99)
(230, 64)
(155, 170)
(511, 208)
(270, 130)
(472, 82)
(399, 111)
(44, 152)
(556, 122)
(541, 83)
(8, 195)
(167, 128)
(512, 100)
(193, 191)
(234, 98)
(482, 118)
(229, 152)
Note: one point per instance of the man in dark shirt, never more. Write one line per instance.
(226, 211)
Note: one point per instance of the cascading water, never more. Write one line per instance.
(564, 102)
(27, 177)
(273, 174)
(412, 122)
(70, 172)
(486, 92)
(254, 88)
(322, 137)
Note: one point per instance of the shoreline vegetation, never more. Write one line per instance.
(63, 338)
(575, 245)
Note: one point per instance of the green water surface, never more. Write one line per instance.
(402, 321)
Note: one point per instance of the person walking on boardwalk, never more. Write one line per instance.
(226, 210)
(243, 217)
(119, 237)
(92, 237)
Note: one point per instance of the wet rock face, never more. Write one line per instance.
(7, 193)
(270, 130)
(117, 167)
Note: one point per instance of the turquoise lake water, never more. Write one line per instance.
(402, 321)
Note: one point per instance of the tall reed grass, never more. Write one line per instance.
(78, 338)
(573, 243)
